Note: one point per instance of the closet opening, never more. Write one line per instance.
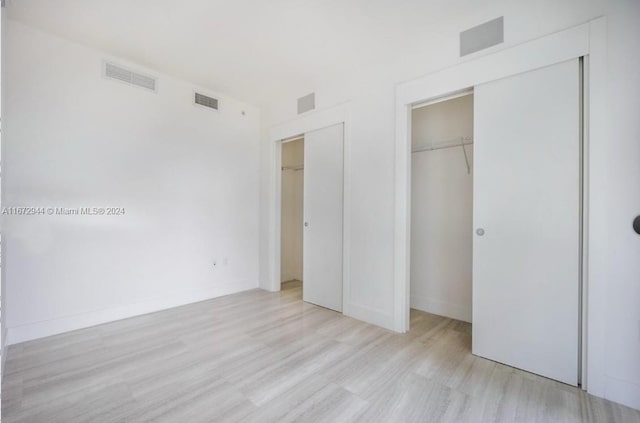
(441, 225)
(310, 219)
(291, 219)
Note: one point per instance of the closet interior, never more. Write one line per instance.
(292, 212)
(442, 207)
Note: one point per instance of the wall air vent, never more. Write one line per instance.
(482, 36)
(206, 101)
(125, 75)
(307, 103)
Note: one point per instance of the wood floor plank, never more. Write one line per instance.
(262, 357)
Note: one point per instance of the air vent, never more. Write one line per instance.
(206, 101)
(306, 103)
(482, 36)
(125, 75)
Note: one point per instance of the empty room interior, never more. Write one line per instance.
(320, 211)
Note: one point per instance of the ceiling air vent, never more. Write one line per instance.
(206, 101)
(125, 75)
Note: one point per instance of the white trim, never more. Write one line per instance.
(368, 314)
(310, 121)
(452, 96)
(545, 51)
(275, 228)
(596, 170)
(293, 139)
(41, 329)
(582, 40)
(3, 352)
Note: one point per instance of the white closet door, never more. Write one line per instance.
(527, 203)
(323, 205)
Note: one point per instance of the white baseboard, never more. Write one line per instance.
(3, 352)
(30, 331)
(623, 392)
(368, 314)
(441, 308)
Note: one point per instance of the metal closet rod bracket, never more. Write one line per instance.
(448, 143)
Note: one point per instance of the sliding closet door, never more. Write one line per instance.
(527, 221)
(323, 204)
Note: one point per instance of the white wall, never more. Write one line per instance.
(186, 176)
(371, 94)
(292, 207)
(442, 210)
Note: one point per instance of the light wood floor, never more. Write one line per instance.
(269, 357)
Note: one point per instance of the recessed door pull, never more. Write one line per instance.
(636, 224)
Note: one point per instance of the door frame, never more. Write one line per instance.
(586, 40)
(311, 121)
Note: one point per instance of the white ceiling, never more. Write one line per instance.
(257, 50)
(253, 49)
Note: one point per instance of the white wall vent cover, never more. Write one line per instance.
(206, 101)
(482, 36)
(125, 75)
(307, 103)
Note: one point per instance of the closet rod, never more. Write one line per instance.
(294, 168)
(449, 143)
